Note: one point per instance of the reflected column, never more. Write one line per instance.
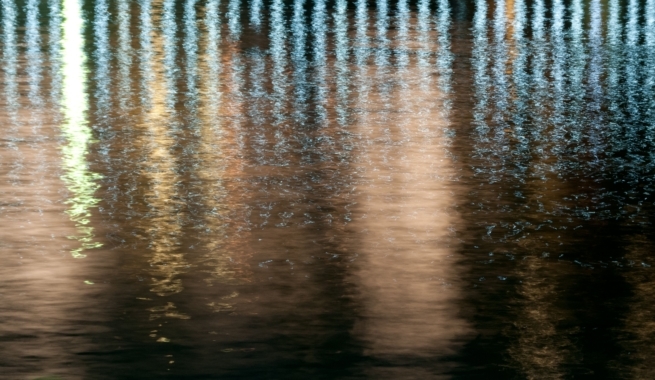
(423, 27)
(614, 92)
(649, 88)
(280, 80)
(481, 84)
(342, 52)
(319, 31)
(102, 58)
(560, 143)
(576, 89)
(54, 49)
(633, 83)
(406, 276)
(124, 54)
(594, 82)
(521, 84)
(33, 53)
(81, 181)
(256, 14)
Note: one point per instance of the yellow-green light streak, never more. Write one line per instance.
(79, 180)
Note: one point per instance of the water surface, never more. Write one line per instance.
(232, 189)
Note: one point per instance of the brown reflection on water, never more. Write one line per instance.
(222, 235)
(160, 191)
(407, 271)
(638, 335)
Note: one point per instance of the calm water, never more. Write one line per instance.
(311, 189)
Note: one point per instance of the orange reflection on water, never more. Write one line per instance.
(407, 273)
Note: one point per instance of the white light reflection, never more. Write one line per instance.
(382, 27)
(168, 32)
(341, 65)
(402, 25)
(594, 82)
(34, 60)
(279, 79)
(423, 26)
(558, 94)
(577, 63)
(234, 19)
(102, 57)
(521, 83)
(124, 53)
(319, 31)
(407, 281)
(649, 58)
(298, 54)
(161, 192)
(191, 51)
(632, 78)
(256, 13)
(80, 181)
(613, 77)
(481, 80)
(9, 53)
(54, 49)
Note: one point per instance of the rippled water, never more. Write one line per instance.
(218, 189)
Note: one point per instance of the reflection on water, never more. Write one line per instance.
(327, 189)
(80, 181)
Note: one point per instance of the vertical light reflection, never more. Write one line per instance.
(341, 64)
(343, 78)
(191, 52)
(594, 81)
(213, 168)
(163, 226)
(480, 61)
(102, 56)
(279, 79)
(521, 86)
(319, 32)
(256, 106)
(234, 19)
(500, 85)
(577, 63)
(212, 22)
(539, 80)
(538, 347)
(613, 79)
(382, 26)
(558, 118)
(407, 280)
(632, 80)
(361, 53)
(423, 26)
(54, 49)
(33, 53)
(649, 90)
(256, 13)
(444, 56)
(124, 53)
(80, 181)
(402, 25)
(145, 52)
(9, 54)
(212, 152)
(298, 54)
(11, 122)
(361, 24)
(34, 63)
(168, 32)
